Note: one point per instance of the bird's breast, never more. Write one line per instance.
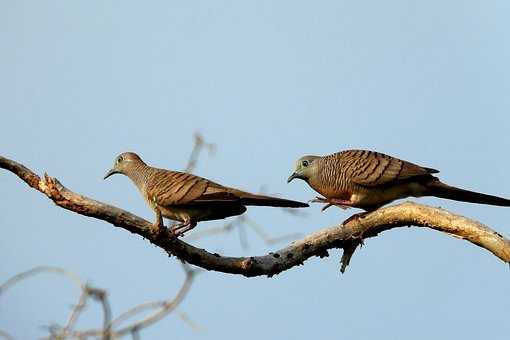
(330, 190)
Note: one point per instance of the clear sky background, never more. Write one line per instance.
(267, 81)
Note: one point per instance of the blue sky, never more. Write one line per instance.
(267, 82)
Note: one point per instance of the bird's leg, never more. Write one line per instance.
(344, 204)
(157, 226)
(180, 229)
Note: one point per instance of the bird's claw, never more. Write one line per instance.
(318, 199)
(157, 230)
(179, 229)
(326, 206)
(328, 203)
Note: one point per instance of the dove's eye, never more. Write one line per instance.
(305, 163)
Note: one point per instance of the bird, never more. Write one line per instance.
(187, 198)
(368, 180)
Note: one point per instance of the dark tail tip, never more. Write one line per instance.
(272, 202)
(442, 190)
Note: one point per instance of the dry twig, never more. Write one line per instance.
(110, 329)
(198, 145)
(5, 335)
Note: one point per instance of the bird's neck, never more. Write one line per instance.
(138, 173)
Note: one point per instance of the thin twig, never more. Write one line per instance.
(265, 237)
(101, 296)
(237, 223)
(38, 270)
(5, 335)
(56, 270)
(243, 239)
(75, 313)
(166, 308)
(135, 334)
(224, 229)
(130, 313)
(192, 324)
(198, 145)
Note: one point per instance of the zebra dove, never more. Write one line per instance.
(187, 198)
(368, 180)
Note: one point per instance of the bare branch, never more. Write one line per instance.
(55, 330)
(135, 334)
(5, 335)
(163, 305)
(106, 332)
(295, 254)
(165, 308)
(101, 296)
(143, 307)
(223, 229)
(243, 239)
(198, 145)
(264, 236)
(75, 313)
(185, 317)
(38, 270)
(237, 223)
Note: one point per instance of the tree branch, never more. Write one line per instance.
(5, 335)
(110, 329)
(163, 309)
(317, 244)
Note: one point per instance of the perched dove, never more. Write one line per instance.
(187, 198)
(367, 180)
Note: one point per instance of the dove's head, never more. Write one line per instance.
(123, 163)
(305, 168)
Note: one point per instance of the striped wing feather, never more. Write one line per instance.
(371, 168)
(179, 188)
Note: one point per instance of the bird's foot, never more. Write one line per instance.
(357, 216)
(157, 229)
(318, 199)
(326, 206)
(343, 204)
(179, 229)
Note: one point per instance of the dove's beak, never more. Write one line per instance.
(291, 177)
(111, 172)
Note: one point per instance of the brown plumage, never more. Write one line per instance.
(188, 198)
(368, 180)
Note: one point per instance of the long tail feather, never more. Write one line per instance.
(442, 190)
(261, 200)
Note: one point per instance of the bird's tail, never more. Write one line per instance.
(261, 200)
(439, 189)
